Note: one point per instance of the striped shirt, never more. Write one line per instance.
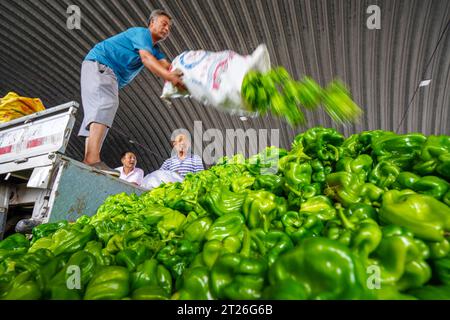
(190, 164)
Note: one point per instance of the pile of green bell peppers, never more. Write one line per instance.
(363, 217)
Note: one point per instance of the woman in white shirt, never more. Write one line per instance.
(128, 171)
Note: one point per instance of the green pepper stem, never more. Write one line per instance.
(347, 224)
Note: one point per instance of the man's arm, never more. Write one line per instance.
(158, 68)
(166, 64)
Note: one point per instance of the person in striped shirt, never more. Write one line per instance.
(183, 162)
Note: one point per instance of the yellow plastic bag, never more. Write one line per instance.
(13, 106)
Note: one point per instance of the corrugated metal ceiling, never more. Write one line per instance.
(41, 57)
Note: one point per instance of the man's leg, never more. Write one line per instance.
(93, 147)
(100, 98)
(97, 134)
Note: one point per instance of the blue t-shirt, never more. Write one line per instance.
(121, 53)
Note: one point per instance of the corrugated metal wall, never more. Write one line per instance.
(41, 57)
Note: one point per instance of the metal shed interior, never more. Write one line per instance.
(325, 39)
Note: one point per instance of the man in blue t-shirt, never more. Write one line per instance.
(111, 65)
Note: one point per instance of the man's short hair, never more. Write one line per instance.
(157, 13)
(125, 153)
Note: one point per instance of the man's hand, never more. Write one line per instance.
(160, 69)
(175, 79)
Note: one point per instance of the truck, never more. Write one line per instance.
(38, 182)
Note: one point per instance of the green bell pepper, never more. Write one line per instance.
(221, 201)
(384, 174)
(131, 258)
(271, 244)
(228, 225)
(15, 245)
(361, 166)
(269, 182)
(69, 239)
(297, 175)
(30, 261)
(434, 157)
(238, 278)
(152, 274)
(23, 287)
(320, 206)
(432, 292)
(299, 226)
(442, 270)
(439, 249)
(215, 248)
(47, 229)
(429, 185)
(109, 283)
(115, 244)
(102, 257)
(443, 168)
(171, 225)
(177, 255)
(362, 211)
(406, 180)
(194, 285)
(197, 229)
(63, 286)
(321, 143)
(352, 146)
(390, 292)
(358, 231)
(345, 187)
(261, 207)
(285, 290)
(339, 105)
(242, 183)
(319, 173)
(401, 258)
(425, 216)
(149, 293)
(432, 186)
(446, 198)
(399, 150)
(321, 269)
